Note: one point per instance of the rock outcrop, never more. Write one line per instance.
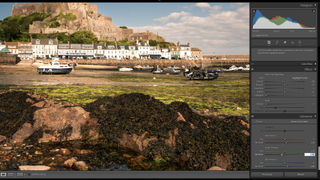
(148, 127)
(88, 18)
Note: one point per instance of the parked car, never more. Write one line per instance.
(163, 58)
(156, 58)
(173, 58)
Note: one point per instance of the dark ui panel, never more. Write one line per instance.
(284, 147)
(283, 90)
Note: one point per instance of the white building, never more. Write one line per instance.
(12, 47)
(154, 52)
(111, 51)
(144, 49)
(44, 48)
(25, 50)
(185, 51)
(72, 51)
(165, 53)
(99, 50)
(123, 51)
(2, 44)
(133, 52)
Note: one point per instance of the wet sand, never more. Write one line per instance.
(27, 75)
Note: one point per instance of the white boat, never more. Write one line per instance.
(232, 68)
(239, 68)
(170, 70)
(125, 69)
(147, 67)
(138, 67)
(247, 68)
(54, 68)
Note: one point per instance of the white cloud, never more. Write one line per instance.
(207, 6)
(234, 5)
(203, 5)
(172, 16)
(225, 32)
(215, 9)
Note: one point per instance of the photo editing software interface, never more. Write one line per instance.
(283, 115)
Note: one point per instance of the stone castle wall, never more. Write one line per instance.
(26, 9)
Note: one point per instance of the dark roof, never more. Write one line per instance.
(143, 44)
(125, 47)
(45, 41)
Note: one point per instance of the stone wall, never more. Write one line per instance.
(227, 57)
(145, 36)
(9, 59)
(26, 9)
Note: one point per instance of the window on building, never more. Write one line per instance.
(199, 52)
(50, 41)
(37, 41)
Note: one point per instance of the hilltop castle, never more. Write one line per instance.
(88, 18)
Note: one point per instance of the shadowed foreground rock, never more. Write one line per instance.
(134, 121)
(54, 122)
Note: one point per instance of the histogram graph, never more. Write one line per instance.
(284, 19)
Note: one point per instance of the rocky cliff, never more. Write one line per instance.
(87, 18)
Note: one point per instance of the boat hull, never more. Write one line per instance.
(209, 77)
(125, 69)
(51, 70)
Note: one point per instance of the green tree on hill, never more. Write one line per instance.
(123, 27)
(85, 37)
(10, 29)
(152, 43)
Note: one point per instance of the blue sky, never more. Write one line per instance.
(220, 28)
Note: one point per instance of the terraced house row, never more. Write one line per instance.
(48, 48)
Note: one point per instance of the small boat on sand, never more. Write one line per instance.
(247, 68)
(125, 69)
(54, 68)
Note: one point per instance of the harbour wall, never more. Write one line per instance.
(9, 59)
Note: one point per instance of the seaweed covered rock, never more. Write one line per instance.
(15, 110)
(146, 125)
(132, 114)
(33, 118)
(134, 121)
